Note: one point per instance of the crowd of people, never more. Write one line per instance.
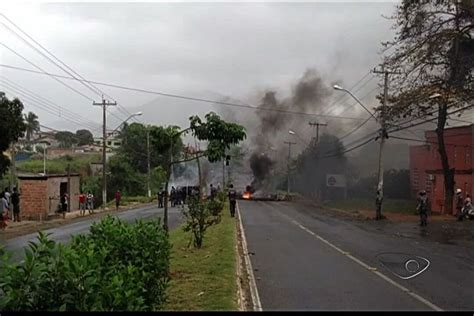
(9, 202)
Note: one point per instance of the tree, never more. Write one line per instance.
(32, 125)
(12, 127)
(84, 137)
(66, 139)
(219, 135)
(124, 177)
(134, 145)
(434, 48)
(316, 161)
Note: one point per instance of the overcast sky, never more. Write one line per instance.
(209, 50)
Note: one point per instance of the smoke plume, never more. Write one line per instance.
(308, 95)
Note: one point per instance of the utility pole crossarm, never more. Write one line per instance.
(317, 125)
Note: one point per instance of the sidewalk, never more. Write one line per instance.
(15, 229)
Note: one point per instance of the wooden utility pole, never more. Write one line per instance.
(104, 105)
(148, 159)
(289, 157)
(383, 135)
(13, 168)
(316, 125)
(68, 187)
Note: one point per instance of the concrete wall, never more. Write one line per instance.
(53, 193)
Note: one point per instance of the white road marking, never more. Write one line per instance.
(257, 305)
(373, 269)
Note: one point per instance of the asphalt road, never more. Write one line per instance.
(64, 233)
(306, 260)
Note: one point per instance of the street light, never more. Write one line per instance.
(294, 134)
(128, 118)
(339, 88)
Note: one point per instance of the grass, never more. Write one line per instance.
(390, 205)
(59, 165)
(131, 200)
(204, 279)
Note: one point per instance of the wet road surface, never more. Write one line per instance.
(306, 260)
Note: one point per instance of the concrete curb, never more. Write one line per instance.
(256, 304)
(58, 222)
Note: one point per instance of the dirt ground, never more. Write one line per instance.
(443, 229)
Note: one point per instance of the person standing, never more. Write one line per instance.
(8, 195)
(118, 197)
(423, 208)
(4, 208)
(232, 200)
(160, 199)
(213, 192)
(82, 204)
(63, 202)
(467, 207)
(15, 202)
(173, 196)
(459, 204)
(90, 202)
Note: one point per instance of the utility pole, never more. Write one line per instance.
(317, 125)
(289, 157)
(148, 159)
(68, 187)
(223, 172)
(104, 105)
(44, 159)
(13, 168)
(383, 135)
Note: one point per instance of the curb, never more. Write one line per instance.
(58, 222)
(256, 304)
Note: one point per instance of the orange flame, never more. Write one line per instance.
(246, 195)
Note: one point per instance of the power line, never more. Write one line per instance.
(89, 86)
(54, 77)
(350, 149)
(339, 100)
(46, 109)
(355, 129)
(184, 97)
(43, 100)
(429, 142)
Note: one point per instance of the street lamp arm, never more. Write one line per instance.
(358, 101)
(128, 118)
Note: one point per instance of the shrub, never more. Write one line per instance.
(117, 267)
(199, 216)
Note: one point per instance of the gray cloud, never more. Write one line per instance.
(226, 49)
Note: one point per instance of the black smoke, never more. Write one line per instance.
(308, 96)
(261, 166)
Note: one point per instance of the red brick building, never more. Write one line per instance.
(40, 194)
(426, 170)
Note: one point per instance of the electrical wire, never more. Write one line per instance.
(89, 86)
(184, 97)
(43, 100)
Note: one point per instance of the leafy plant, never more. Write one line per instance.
(117, 267)
(200, 215)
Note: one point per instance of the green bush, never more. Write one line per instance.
(117, 267)
(200, 215)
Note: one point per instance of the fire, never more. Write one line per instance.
(246, 195)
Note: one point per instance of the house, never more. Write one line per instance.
(40, 194)
(426, 170)
(112, 142)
